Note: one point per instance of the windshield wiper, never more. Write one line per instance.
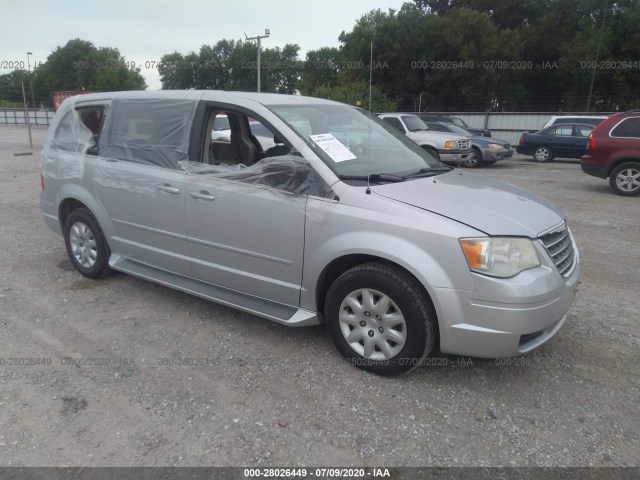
(419, 130)
(428, 172)
(374, 177)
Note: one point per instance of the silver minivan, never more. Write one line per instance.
(338, 218)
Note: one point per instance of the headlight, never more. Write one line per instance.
(450, 144)
(499, 256)
(495, 145)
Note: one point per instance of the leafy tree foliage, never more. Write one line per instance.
(79, 65)
(11, 87)
(357, 93)
(232, 65)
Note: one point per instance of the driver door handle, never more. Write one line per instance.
(202, 195)
(166, 188)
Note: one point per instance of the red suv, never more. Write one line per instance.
(613, 150)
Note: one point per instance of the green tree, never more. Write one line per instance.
(357, 93)
(79, 65)
(281, 69)
(174, 73)
(320, 68)
(11, 87)
(243, 68)
(438, 56)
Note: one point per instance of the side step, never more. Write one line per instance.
(277, 312)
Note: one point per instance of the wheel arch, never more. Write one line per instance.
(73, 197)
(620, 160)
(341, 264)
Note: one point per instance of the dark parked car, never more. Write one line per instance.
(486, 151)
(567, 140)
(481, 132)
(613, 151)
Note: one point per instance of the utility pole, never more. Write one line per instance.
(267, 32)
(595, 67)
(26, 116)
(33, 102)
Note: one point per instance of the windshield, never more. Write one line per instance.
(414, 124)
(458, 121)
(453, 128)
(352, 142)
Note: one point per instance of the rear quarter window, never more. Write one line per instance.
(628, 128)
(72, 134)
(150, 131)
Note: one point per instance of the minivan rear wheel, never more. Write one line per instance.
(625, 179)
(86, 245)
(379, 319)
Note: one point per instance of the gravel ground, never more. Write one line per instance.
(267, 395)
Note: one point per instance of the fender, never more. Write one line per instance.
(401, 248)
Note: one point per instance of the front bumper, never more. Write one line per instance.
(454, 156)
(495, 154)
(506, 317)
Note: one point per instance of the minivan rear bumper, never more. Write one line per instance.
(505, 317)
(49, 213)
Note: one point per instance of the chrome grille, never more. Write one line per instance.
(464, 144)
(559, 245)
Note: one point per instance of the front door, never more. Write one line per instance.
(246, 237)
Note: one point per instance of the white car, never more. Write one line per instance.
(446, 147)
(588, 119)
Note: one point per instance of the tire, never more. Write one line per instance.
(474, 160)
(357, 305)
(625, 179)
(87, 248)
(542, 154)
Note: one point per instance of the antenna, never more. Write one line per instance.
(370, 78)
(368, 190)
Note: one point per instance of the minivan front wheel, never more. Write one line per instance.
(86, 245)
(625, 179)
(379, 319)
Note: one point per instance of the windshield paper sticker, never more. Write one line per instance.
(333, 147)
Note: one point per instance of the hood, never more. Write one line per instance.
(434, 136)
(484, 141)
(488, 205)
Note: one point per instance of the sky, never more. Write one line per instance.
(145, 30)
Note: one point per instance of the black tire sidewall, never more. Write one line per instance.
(415, 313)
(101, 267)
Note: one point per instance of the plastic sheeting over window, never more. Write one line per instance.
(149, 131)
(71, 134)
(290, 173)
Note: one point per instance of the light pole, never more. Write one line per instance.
(593, 75)
(267, 32)
(33, 102)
